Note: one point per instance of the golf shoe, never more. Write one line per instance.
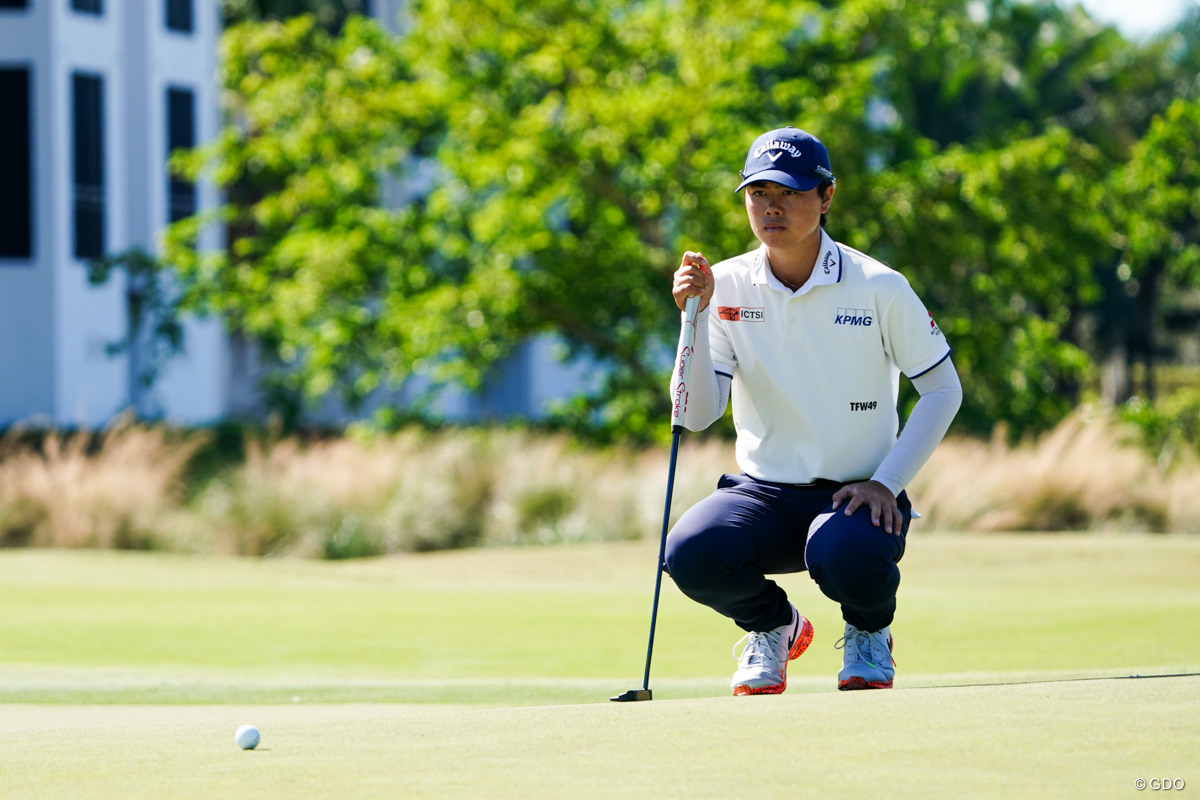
(763, 662)
(866, 659)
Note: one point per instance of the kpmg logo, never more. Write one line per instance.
(740, 314)
(859, 317)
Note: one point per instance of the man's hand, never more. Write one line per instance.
(693, 278)
(878, 498)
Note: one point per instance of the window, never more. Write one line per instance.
(16, 167)
(179, 15)
(181, 132)
(14, 3)
(88, 6)
(88, 168)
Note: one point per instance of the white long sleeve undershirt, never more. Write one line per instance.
(941, 395)
(708, 395)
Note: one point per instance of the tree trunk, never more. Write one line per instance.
(1115, 388)
(1147, 317)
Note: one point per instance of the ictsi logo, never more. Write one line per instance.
(739, 314)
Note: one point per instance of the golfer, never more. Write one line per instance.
(810, 337)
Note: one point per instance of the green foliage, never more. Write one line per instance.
(1170, 427)
(991, 72)
(1002, 282)
(586, 145)
(1155, 202)
(1159, 190)
(555, 159)
(344, 293)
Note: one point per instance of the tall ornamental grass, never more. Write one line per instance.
(1089, 473)
(122, 487)
(133, 486)
(419, 491)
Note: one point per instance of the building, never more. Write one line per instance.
(94, 95)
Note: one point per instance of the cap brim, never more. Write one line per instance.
(801, 183)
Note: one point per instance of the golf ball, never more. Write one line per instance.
(247, 737)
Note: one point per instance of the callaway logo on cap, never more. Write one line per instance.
(788, 156)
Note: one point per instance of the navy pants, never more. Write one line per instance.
(721, 550)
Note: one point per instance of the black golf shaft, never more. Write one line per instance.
(676, 431)
(679, 391)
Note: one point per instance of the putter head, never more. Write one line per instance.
(633, 695)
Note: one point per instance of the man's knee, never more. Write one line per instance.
(851, 550)
(687, 558)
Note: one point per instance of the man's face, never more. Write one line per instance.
(782, 217)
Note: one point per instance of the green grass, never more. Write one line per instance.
(486, 673)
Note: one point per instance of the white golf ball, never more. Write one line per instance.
(247, 737)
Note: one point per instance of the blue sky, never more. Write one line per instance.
(1138, 18)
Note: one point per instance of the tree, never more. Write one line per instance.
(586, 145)
(1004, 243)
(987, 73)
(572, 158)
(343, 292)
(557, 157)
(1157, 205)
(1007, 121)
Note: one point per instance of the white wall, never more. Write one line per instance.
(54, 326)
(89, 386)
(26, 285)
(388, 12)
(195, 386)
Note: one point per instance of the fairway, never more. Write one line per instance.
(486, 674)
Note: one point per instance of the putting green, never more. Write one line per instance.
(486, 674)
(1082, 739)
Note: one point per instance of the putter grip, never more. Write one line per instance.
(683, 362)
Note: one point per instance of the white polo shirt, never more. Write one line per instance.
(816, 373)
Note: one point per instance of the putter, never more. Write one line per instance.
(679, 392)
